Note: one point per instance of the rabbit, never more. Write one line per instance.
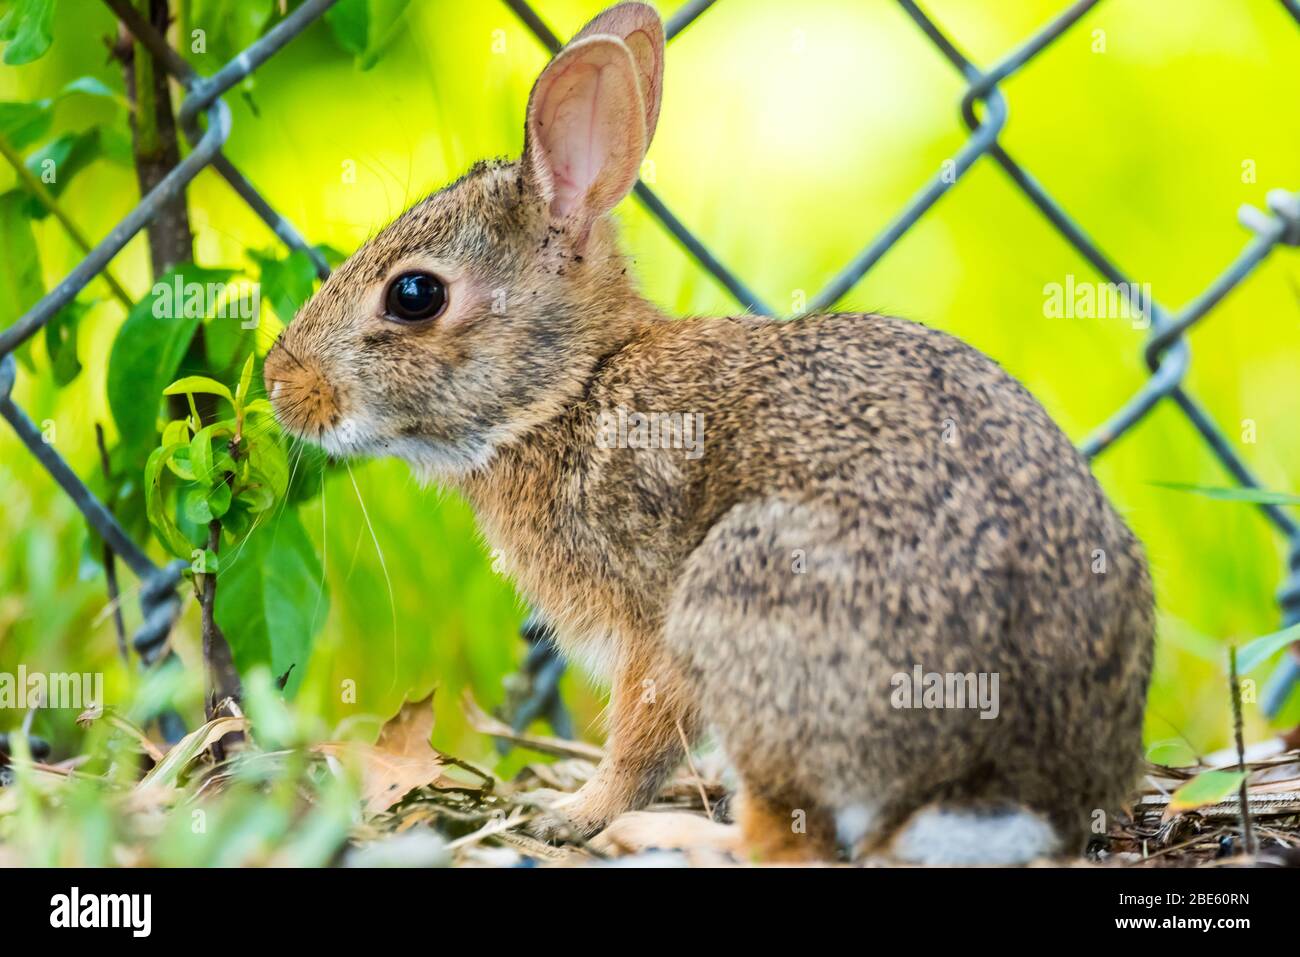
(849, 547)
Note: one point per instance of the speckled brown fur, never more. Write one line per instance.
(871, 495)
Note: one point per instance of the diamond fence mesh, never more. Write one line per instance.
(984, 110)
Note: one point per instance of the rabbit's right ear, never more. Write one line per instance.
(642, 32)
(585, 135)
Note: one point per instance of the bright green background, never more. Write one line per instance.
(790, 135)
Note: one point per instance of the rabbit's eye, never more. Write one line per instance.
(415, 295)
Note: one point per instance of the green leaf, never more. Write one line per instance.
(160, 517)
(27, 30)
(273, 724)
(178, 430)
(179, 464)
(309, 476)
(230, 27)
(1209, 787)
(245, 382)
(268, 460)
(201, 457)
(147, 352)
(237, 522)
(1172, 753)
(349, 21)
(256, 498)
(365, 27)
(197, 509)
(22, 124)
(61, 341)
(1258, 650)
(199, 383)
(1252, 496)
(271, 599)
(57, 162)
(90, 86)
(286, 282)
(218, 499)
(193, 514)
(20, 265)
(227, 342)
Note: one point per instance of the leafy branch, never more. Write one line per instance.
(206, 479)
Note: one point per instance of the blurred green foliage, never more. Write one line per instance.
(790, 135)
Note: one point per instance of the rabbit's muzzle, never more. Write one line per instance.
(305, 403)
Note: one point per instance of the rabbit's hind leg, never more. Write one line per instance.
(778, 832)
(769, 624)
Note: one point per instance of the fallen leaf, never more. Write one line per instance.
(410, 730)
(1208, 788)
(400, 761)
(167, 772)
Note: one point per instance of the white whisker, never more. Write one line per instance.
(392, 601)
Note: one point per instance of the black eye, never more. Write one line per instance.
(415, 295)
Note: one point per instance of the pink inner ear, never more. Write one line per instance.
(582, 128)
(572, 134)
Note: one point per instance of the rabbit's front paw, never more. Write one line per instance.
(557, 816)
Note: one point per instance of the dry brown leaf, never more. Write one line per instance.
(400, 761)
(1279, 777)
(167, 772)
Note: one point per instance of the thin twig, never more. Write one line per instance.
(1246, 833)
(495, 826)
(484, 723)
(110, 561)
(1199, 839)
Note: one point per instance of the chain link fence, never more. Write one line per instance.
(984, 110)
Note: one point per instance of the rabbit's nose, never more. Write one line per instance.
(305, 403)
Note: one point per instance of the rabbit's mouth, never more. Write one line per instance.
(347, 437)
(346, 440)
(431, 459)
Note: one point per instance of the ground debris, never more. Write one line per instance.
(1211, 835)
(402, 802)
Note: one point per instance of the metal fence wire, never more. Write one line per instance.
(1166, 350)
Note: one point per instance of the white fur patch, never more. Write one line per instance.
(355, 436)
(853, 824)
(963, 837)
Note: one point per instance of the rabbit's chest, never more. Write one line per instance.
(594, 575)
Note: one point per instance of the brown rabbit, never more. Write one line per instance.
(850, 546)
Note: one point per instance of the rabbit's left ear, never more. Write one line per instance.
(639, 27)
(586, 132)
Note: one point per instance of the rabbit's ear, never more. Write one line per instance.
(585, 135)
(639, 27)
